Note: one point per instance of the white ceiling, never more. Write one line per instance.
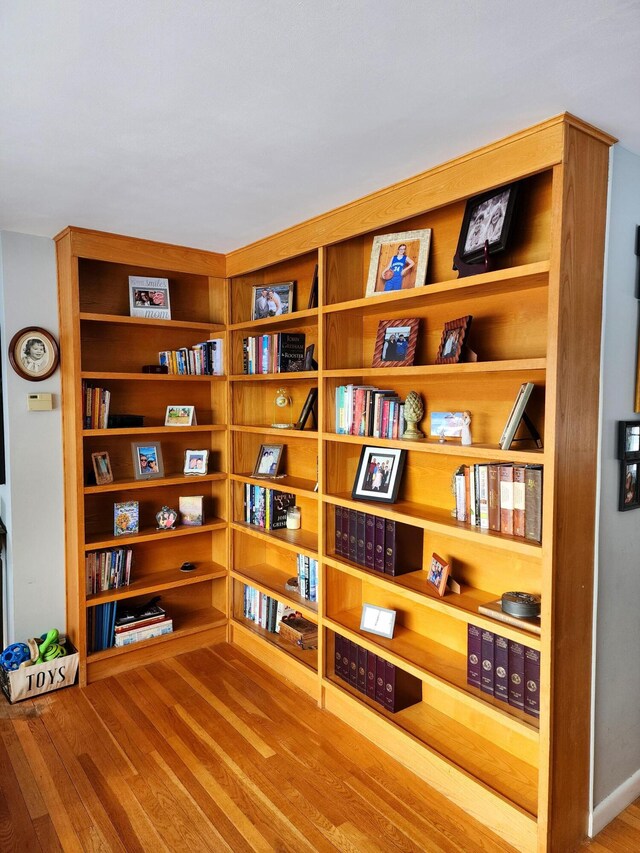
(212, 123)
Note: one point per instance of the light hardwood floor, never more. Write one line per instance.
(207, 751)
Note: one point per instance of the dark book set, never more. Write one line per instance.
(280, 353)
(266, 508)
(502, 497)
(383, 682)
(507, 670)
(376, 543)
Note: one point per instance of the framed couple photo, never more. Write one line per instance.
(272, 300)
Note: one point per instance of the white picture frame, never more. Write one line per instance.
(378, 620)
(149, 297)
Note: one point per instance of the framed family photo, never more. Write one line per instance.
(629, 495)
(33, 353)
(487, 220)
(379, 474)
(147, 460)
(269, 461)
(102, 468)
(453, 340)
(395, 343)
(272, 300)
(398, 261)
(438, 574)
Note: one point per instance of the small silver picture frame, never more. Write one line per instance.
(378, 620)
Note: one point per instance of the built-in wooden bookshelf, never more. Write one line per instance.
(103, 346)
(536, 318)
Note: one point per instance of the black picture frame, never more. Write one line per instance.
(629, 495)
(629, 440)
(369, 484)
(487, 220)
(313, 293)
(308, 409)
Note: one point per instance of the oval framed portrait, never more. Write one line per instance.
(33, 353)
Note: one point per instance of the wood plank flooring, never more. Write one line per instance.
(208, 752)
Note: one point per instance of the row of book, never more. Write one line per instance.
(507, 670)
(101, 626)
(266, 508)
(307, 577)
(503, 497)
(95, 411)
(367, 410)
(108, 569)
(279, 353)
(376, 543)
(375, 677)
(277, 618)
(204, 359)
(111, 624)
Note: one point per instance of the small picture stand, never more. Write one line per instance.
(519, 415)
(464, 269)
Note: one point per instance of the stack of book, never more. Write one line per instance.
(95, 412)
(367, 410)
(507, 670)
(277, 618)
(108, 569)
(266, 508)
(376, 543)
(281, 353)
(204, 359)
(375, 677)
(503, 497)
(133, 626)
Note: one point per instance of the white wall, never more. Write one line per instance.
(616, 746)
(32, 503)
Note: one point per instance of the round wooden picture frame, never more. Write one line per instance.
(33, 366)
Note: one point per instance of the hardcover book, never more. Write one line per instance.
(401, 689)
(345, 533)
(360, 534)
(338, 531)
(518, 499)
(532, 682)
(279, 503)
(402, 548)
(369, 540)
(291, 351)
(494, 610)
(486, 672)
(506, 499)
(371, 674)
(346, 659)
(516, 674)
(353, 664)
(353, 535)
(362, 670)
(501, 669)
(380, 680)
(533, 502)
(494, 496)
(378, 545)
(338, 655)
(474, 655)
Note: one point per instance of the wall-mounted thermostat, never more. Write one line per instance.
(40, 402)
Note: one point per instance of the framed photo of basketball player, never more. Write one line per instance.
(398, 261)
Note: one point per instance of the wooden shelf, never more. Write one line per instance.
(294, 375)
(271, 580)
(295, 485)
(153, 430)
(520, 365)
(436, 665)
(298, 541)
(264, 429)
(308, 657)
(506, 280)
(439, 521)
(307, 317)
(159, 581)
(106, 376)
(432, 445)
(116, 319)
(154, 482)
(464, 606)
(198, 620)
(149, 534)
(494, 767)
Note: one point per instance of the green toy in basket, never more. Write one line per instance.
(51, 647)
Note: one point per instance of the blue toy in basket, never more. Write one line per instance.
(14, 655)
